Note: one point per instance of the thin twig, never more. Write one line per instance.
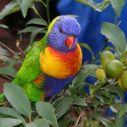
(80, 116)
(19, 48)
(30, 119)
(48, 15)
(52, 98)
(8, 78)
(9, 49)
(5, 104)
(83, 118)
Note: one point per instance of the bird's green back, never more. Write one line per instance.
(30, 68)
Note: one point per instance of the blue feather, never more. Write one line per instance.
(54, 86)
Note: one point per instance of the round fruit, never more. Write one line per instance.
(100, 74)
(123, 80)
(120, 84)
(105, 57)
(114, 68)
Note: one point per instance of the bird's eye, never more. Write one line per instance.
(60, 30)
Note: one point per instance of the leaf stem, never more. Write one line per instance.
(43, 3)
(36, 11)
(48, 15)
(98, 87)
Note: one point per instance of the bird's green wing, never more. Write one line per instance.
(30, 68)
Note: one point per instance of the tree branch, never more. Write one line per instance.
(9, 49)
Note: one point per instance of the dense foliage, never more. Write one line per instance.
(73, 106)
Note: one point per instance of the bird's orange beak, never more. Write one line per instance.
(69, 41)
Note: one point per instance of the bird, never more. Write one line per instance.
(53, 62)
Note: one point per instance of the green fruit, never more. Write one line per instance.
(123, 80)
(114, 68)
(100, 74)
(120, 84)
(105, 57)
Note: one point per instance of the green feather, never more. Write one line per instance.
(35, 94)
(30, 68)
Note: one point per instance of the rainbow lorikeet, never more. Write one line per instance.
(53, 61)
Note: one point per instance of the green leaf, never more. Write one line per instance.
(9, 122)
(34, 34)
(86, 71)
(28, 29)
(84, 45)
(118, 5)
(3, 26)
(115, 89)
(79, 101)
(103, 120)
(2, 98)
(46, 111)
(79, 81)
(10, 8)
(38, 123)
(17, 98)
(38, 21)
(3, 54)
(25, 4)
(105, 96)
(62, 105)
(122, 110)
(98, 7)
(11, 112)
(64, 122)
(104, 4)
(120, 122)
(8, 70)
(114, 35)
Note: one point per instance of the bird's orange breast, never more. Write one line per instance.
(61, 64)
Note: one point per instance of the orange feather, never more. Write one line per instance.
(40, 78)
(61, 64)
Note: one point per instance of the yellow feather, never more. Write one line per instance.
(60, 65)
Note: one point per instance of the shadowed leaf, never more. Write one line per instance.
(46, 110)
(9, 122)
(38, 123)
(17, 98)
(10, 8)
(118, 5)
(62, 105)
(115, 35)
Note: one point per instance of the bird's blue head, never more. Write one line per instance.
(63, 34)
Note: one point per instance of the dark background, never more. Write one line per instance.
(16, 22)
